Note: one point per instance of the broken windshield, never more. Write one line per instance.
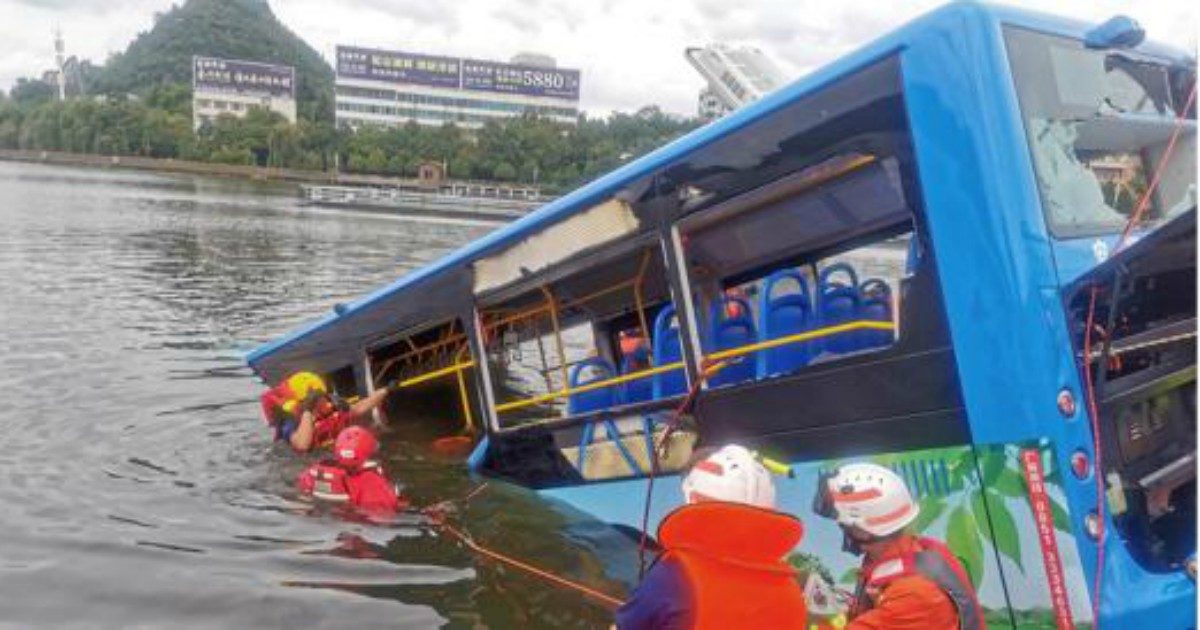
(1098, 123)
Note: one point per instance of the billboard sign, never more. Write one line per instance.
(400, 67)
(456, 73)
(235, 75)
(490, 76)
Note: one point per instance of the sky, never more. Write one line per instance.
(630, 52)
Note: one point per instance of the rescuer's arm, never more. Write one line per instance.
(364, 406)
(302, 437)
(661, 602)
(909, 603)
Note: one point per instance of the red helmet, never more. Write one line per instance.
(354, 446)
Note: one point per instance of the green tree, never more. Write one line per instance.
(230, 29)
(28, 91)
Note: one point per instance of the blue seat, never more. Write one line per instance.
(783, 315)
(875, 303)
(726, 332)
(667, 350)
(590, 371)
(640, 389)
(838, 303)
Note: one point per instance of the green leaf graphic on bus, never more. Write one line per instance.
(963, 538)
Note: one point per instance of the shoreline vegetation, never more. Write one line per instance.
(171, 165)
(136, 108)
(155, 135)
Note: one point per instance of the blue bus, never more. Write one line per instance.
(913, 256)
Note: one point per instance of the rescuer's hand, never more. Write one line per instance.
(310, 401)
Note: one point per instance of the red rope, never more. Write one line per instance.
(1089, 385)
(672, 424)
(437, 516)
(1090, 393)
(470, 543)
(1144, 203)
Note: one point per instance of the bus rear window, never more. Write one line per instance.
(1098, 122)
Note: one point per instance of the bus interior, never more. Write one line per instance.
(790, 258)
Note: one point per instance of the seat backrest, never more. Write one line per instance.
(875, 304)
(728, 330)
(589, 371)
(837, 303)
(667, 350)
(781, 315)
(636, 390)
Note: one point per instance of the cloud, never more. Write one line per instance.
(629, 51)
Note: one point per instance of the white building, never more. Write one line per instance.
(735, 76)
(234, 87)
(393, 88)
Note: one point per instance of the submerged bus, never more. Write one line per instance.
(893, 259)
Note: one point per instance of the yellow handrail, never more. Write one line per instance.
(429, 376)
(465, 399)
(716, 356)
(862, 324)
(587, 387)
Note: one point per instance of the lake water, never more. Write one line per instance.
(138, 486)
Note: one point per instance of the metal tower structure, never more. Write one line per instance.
(735, 76)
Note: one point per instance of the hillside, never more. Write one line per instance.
(239, 29)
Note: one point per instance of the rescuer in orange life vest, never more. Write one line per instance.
(723, 563)
(907, 582)
(301, 410)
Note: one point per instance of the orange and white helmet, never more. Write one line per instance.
(730, 474)
(867, 497)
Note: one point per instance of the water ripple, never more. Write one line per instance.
(136, 476)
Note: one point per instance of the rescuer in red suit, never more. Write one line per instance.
(351, 477)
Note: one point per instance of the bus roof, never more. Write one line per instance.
(346, 323)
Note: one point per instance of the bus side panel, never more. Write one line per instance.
(986, 528)
(1022, 497)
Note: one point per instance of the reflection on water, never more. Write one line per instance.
(138, 484)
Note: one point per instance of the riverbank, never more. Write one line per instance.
(170, 165)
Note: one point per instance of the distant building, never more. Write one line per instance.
(234, 87)
(391, 88)
(735, 76)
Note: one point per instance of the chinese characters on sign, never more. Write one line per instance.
(230, 75)
(1031, 461)
(382, 65)
(502, 77)
(452, 72)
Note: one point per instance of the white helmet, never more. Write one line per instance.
(867, 497)
(730, 474)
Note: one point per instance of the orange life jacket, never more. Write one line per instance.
(929, 559)
(732, 556)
